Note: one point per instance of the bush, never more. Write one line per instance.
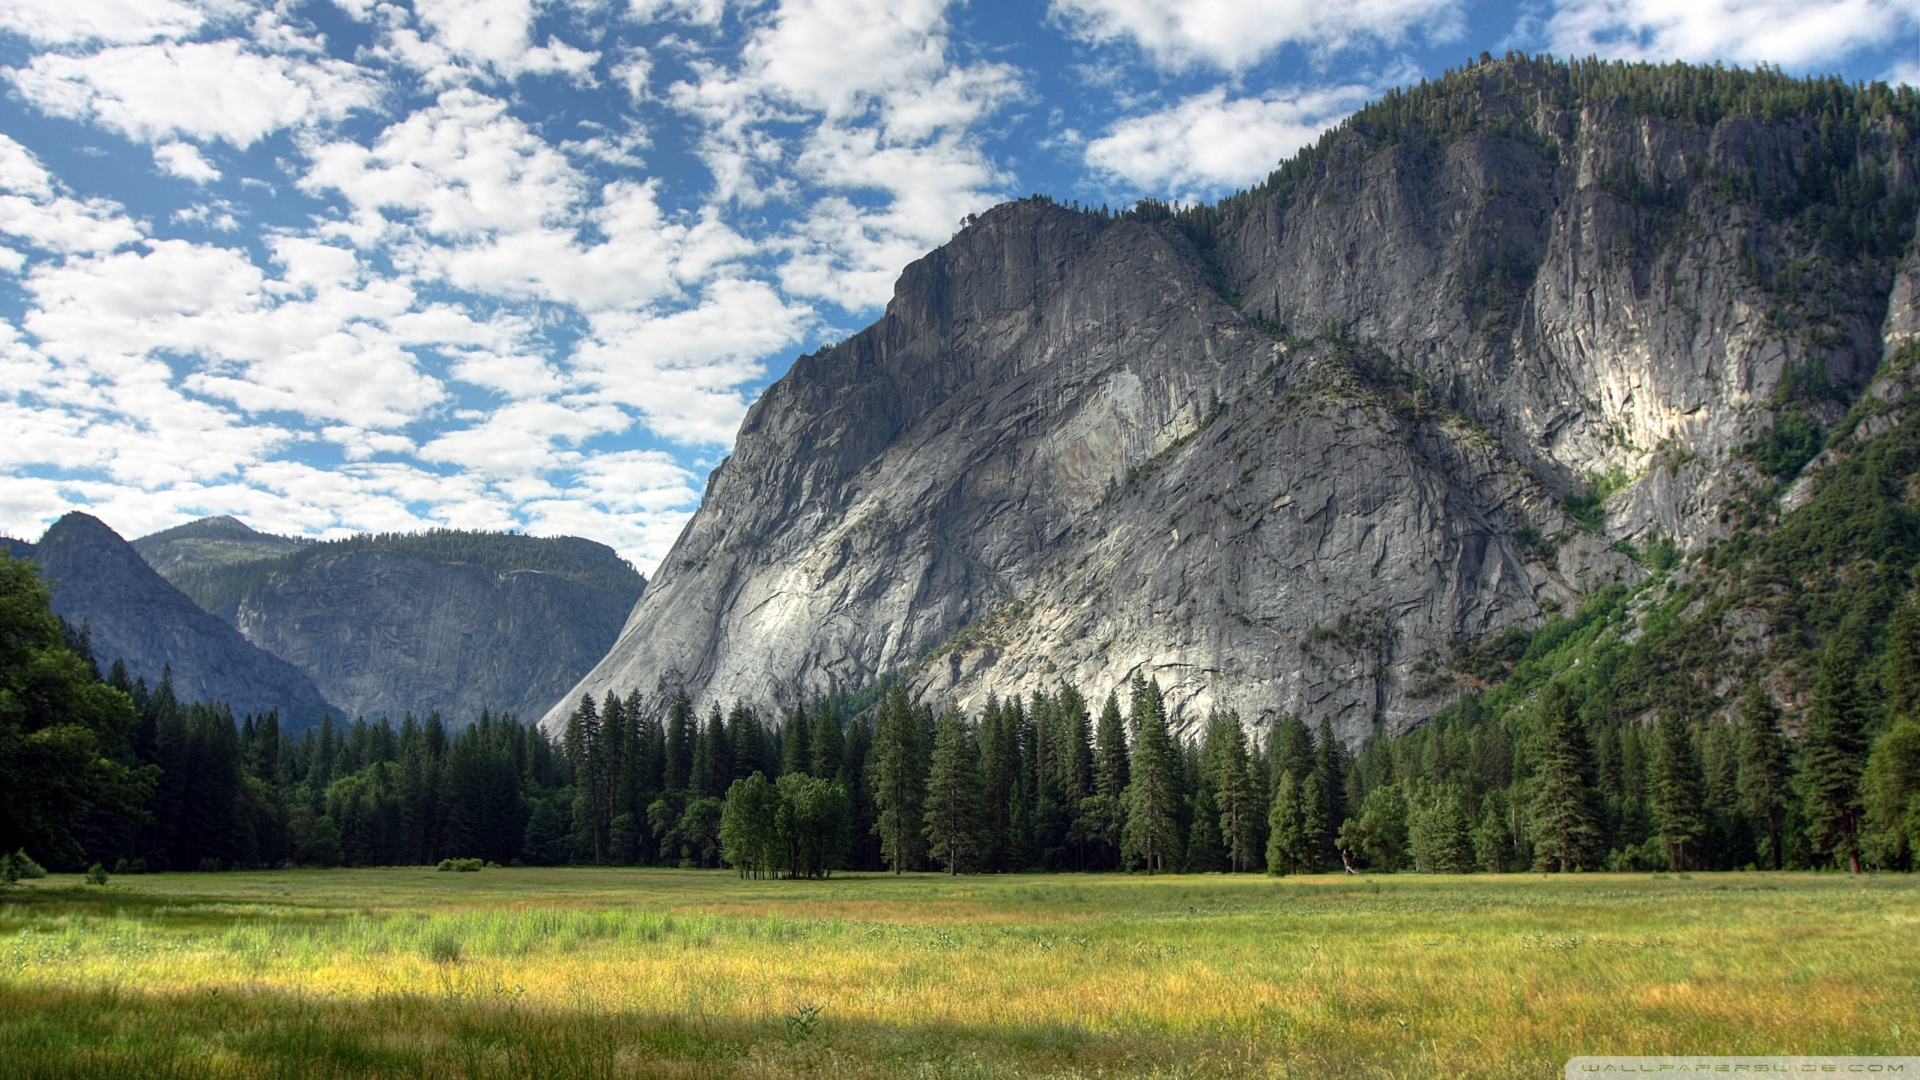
(96, 874)
(464, 866)
(19, 866)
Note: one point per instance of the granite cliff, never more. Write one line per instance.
(1486, 348)
(450, 621)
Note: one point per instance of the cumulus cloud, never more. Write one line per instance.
(119, 22)
(887, 121)
(682, 370)
(488, 38)
(185, 161)
(1209, 142)
(1232, 34)
(1792, 32)
(197, 90)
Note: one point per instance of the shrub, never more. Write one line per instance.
(464, 866)
(96, 874)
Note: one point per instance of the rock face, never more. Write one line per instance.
(213, 541)
(1284, 453)
(388, 632)
(138, 618)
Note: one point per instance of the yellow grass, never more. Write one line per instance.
(652, 972)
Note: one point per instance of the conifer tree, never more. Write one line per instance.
(1674, 789)
(1561, 816)
(1833, 756)
(1287, 849)
(1493, 835)
(1000, 778)
(1205, 852)
(796, 743)
(899, 780)
(829, 742)
(1151, 834)
(953, 793)
(680, 737)
(1890, 795)
(1228, 769)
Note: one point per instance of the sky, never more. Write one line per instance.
(339, 266)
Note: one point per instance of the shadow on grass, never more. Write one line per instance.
(122, 1033)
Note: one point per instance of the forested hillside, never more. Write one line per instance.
(220, 586)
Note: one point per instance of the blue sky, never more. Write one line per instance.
(349, 265)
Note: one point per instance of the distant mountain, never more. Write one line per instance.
(447, 620)
(213, 541)
(138, 618)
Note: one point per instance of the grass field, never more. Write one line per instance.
(581, 972)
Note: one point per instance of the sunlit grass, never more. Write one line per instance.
(646, 972)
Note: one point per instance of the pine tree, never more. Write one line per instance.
(1000, 778)
(1205, 852)
(829, 742)
(680, 739)
(1561, 816)
(1833, 756)
(899, 780)
(1228, 769)
(1287, 849)
(1151, 834)
(1674, 789)
(1890, 794)
(797, 744)
(953, 793)
(1332, 762)
(1493, 836)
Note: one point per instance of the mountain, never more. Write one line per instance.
(137, 617)
(212, 541)
(1490, 346)
(450, 621)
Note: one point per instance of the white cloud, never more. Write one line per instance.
(198, 90)
(118, 22)
(887, 117)
(465, 38)
(682, 370)
(67, 226)
(21, 172)
(185, 161)
(698, 12)
(1233, 34)
(1208, 142)
(1793, 32)
(524, 438)
(460, 168)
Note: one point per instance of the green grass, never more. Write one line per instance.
(647, 972)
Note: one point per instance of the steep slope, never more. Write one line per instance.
(1467, 360)
(212, 541)
(136, 617)
(450, 621)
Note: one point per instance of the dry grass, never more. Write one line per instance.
(616, 973)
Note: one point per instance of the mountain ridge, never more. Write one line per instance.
(1458, 365)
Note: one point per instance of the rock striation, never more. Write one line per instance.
(447, 621)
(136, 617)
(392, 632)
(1462, 363)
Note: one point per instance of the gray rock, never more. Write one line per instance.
(1063, 454)
(388, 633)
(136, 617)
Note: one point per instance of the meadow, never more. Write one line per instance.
(605, 973)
